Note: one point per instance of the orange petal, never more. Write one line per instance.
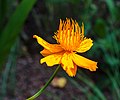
(68, 64)
(46, 52)
(67, 61)
(74, 70)
(71, 71)
(84, 62)
(52, 59)
(51, 47)
(85, 45)
(82, 34)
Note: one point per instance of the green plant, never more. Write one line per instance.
(13, 27)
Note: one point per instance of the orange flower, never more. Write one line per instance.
(70, 39)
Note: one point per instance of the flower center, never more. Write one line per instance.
(69, 35)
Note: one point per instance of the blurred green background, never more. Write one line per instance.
(20, 19)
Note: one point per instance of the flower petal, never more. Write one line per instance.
(68, 64)
(67, 61)
(54, 48)
(85, 45)
(52, 59)
(84, 62)
(72, 71)
(46, 52)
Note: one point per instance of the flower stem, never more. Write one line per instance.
(44, 87)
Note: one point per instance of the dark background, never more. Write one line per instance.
(21, 75)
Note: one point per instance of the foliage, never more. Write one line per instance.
(10, 32)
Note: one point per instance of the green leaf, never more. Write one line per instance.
(13, 28)
(93, 87)
(3, 12)
(3, 9)
(111, 60)
(112, 8)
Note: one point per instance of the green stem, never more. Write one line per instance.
(44, 87)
